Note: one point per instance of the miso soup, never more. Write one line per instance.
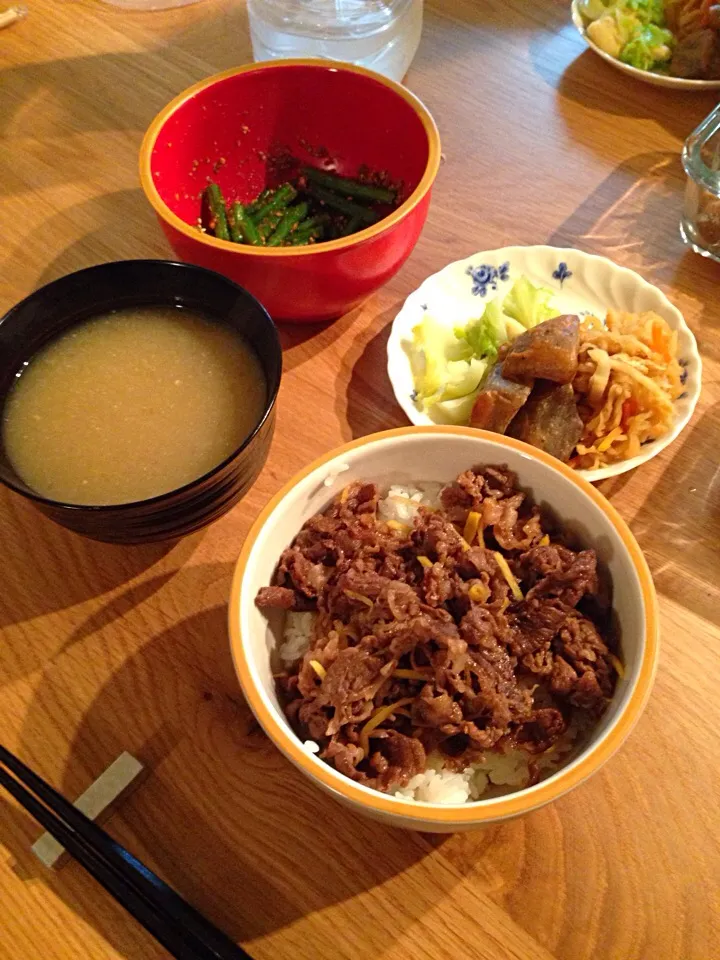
(130, 405)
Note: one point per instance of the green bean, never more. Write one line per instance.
(349, 188)
(252, 208)
(302, 238)
(310, 229)
(282, 197)
(218, 214)
(242, 226)
(352, 226)
(350, 209)
(267, 225)
(291, 218)
(235, 232)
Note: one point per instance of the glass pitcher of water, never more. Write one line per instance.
(380, 34)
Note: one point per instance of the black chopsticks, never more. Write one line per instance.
(184, 932)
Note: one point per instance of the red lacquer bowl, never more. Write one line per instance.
(229, 128)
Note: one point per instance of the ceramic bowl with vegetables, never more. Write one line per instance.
(561, 349)
(306, 181)
(669, 43)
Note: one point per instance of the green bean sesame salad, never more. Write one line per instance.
(316, 206)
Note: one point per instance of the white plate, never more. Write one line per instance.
(656, 79)
(595, 285)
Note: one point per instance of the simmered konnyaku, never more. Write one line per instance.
(474, 628)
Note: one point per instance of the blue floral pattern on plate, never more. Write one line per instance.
(486, 277)
(562, 273)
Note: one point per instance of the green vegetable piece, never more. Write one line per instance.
(267, 225)
(647, 11)
(311, 229)
(290, 219)
(349, 188)
(352, 226)
(236, 234)
(252, 208)
(300, 238)
(528, 304)
(484, 335)
(650, 47)
(442, 368)
(242, 226)
(218, 222)
(341, 204)
(281, 198)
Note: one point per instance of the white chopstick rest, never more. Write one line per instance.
(97, 801)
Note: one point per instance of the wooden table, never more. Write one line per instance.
(106, 648)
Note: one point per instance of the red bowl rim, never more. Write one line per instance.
(172, 219)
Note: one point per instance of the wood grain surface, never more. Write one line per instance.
(106, 648)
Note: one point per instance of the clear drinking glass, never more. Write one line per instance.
(700, 224)
(380, 34)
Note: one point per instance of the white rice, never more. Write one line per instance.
(497, 773)
(296, 636)
(401, 503)
(438, 785)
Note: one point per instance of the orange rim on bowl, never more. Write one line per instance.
(495, 809)
(163, 211)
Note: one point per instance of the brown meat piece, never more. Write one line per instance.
(498, 402)
(436, 537)
(540, 732)
(307, 577)
(350, 685)
(438, 585)
(400, 638)
(697, 56)
(556, 571)
(281, 597)
(430, 711)
(548, 351)
(587, 678)
(563, 677)
(397, 759)
(345, 757)
(549, 420)
(534, 626)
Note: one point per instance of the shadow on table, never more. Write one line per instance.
(633, 216)
(35, 567)
(302, 341)
(223, 817)
(592, 83)
(363, 394)
(678, 524)
(102, 240)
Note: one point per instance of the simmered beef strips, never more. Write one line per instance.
(420, 643)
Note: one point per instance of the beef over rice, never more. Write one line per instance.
(461, 632)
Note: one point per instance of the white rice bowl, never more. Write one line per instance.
(439, 454)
